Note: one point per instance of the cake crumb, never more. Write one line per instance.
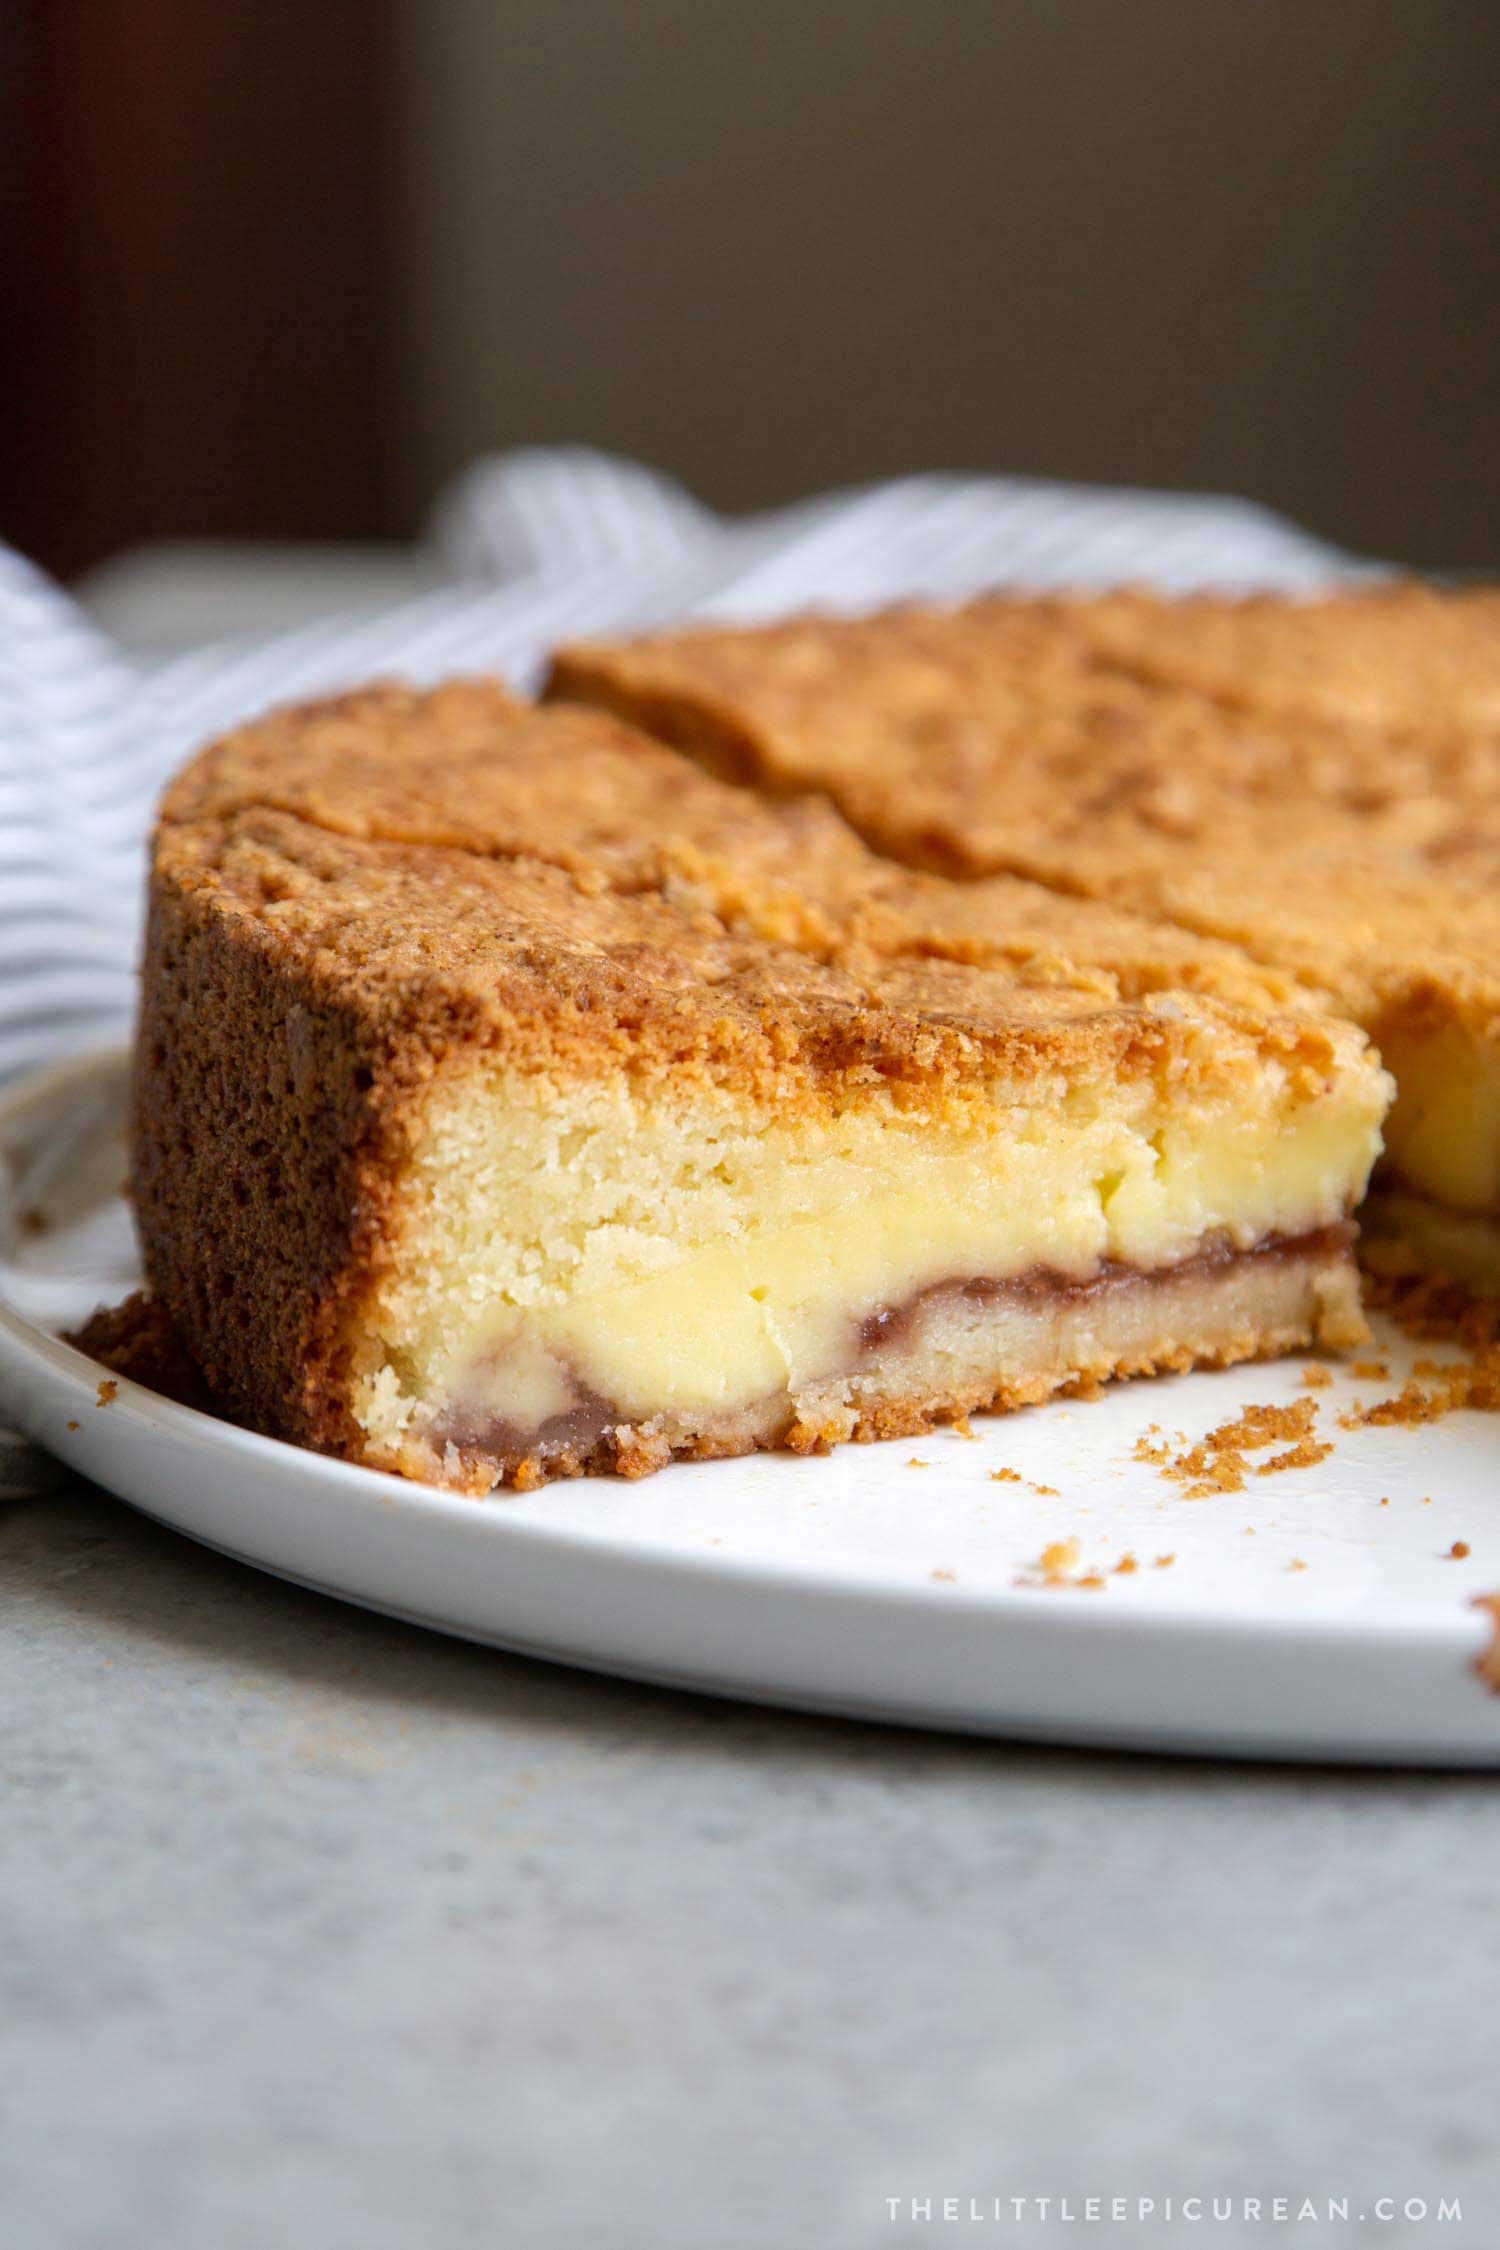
(1005, 1476)
(1296, 1563)
(1371, 1371)
(1385, 1499)
(137, 1340)
(1045, 1491)
(1316, 1378)
(916, 1463)
(1164, 1562)
(1459, 1551)
(1126, 1566)
(1056, 1566)
(944, 1577)
(1435, 1311)
(74, 1425)
(1305, 1455)
(1217, 1462)
(961, 1426)
(108, 1392)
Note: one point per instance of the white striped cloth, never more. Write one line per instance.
(543, 545)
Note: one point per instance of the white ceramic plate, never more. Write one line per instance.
(863, 1583)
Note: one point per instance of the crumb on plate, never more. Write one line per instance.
(1434, 1311)
(1057, 1565)
(1217, 1462)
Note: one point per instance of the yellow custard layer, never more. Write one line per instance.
(674, 1257)
(1443, 1135)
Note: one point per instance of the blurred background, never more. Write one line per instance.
(274, 273)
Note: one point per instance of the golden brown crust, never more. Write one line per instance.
(552, 881)
(257, 1170)
(1077, 743)
(1397, 656)
(346, 896)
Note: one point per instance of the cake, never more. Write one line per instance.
(514, 1099)
(1316, 783)
(1397, 654)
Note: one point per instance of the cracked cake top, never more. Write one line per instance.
(458, 867)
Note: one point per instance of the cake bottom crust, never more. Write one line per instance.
(966, 1346)
(1406, 1233)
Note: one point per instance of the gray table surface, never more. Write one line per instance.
(322, 1930)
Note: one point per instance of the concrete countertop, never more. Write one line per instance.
(323, 1929)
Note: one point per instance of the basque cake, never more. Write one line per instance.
(514, 1099)
(1315, 782)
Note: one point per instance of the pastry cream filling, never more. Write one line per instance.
(1443, 1136)
(693, 1256)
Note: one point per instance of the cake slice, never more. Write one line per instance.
(512, 1099)
(1315, 783)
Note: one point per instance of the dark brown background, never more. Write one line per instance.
(277, 271)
